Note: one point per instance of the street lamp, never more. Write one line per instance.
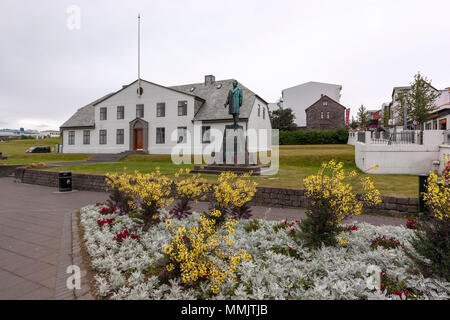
(405, 113)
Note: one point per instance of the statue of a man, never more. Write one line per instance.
(234, 102)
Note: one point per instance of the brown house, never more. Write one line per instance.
(325, 114)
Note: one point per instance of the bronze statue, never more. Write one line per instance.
(234, 101)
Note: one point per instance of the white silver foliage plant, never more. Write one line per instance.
(327, 273)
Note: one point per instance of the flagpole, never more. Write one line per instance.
(139, 55)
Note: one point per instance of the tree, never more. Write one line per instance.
(363, 116)
(420, 100)
(283, 119)
(386, 117)
(353, 123)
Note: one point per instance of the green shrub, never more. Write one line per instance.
(298, 137)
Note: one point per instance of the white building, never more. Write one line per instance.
(300, 97)
(49, 134)
(161, 118)
(440, 118)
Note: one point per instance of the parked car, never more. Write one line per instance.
(40, 149)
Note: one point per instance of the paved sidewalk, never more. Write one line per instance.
(33, 254)
(298, 214)
(31, 224)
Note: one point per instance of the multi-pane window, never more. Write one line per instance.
(120, 112)
(259, 110)
(321, 115)
(206, 134)
(161, 109)
(182, 108)
(86, 136)
(103, 113)
(160, 135)
(328, 115)
(120, 136)
(71, 137)
(139, 111)
(325, 102)
(264, 113)
(102, 137)
(181, 134)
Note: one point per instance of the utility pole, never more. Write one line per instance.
(405, 112)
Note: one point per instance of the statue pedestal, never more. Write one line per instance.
(233, 156)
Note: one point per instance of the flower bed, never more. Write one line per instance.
(126, 266)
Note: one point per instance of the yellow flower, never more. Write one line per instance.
(170, 267)
(342, 240)
(168, 222)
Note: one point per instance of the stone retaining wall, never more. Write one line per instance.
(80, 181)
(273, 197)
(8, 170)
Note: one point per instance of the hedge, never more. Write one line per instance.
(298, 137)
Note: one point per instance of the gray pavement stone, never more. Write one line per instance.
(31, 235)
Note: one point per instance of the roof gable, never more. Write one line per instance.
(325, 97)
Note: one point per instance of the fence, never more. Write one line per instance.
(362, 137)
(401, 137)
(447, 137)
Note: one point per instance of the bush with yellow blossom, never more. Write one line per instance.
(192, 188)
(117, 197)
(149, 193)
(431, 241)
(233, 193)
(204, 252)
(331, 200)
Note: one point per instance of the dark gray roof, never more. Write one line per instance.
(212, 108)
(84, 117)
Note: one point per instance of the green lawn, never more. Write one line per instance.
(296, 162)
(15, 150)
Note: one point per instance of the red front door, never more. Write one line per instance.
(138, 139)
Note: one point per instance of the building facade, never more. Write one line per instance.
(161, 119)
(300, 97)
(325, 114)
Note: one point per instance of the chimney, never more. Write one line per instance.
(209, 80)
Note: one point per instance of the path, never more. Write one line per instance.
(35, 236)
(97, 158)
(32, 220)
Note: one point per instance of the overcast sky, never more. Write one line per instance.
(48, 71)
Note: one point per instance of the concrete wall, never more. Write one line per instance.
(396, 158)
(352, 137)
(400, 158)
(271, 197)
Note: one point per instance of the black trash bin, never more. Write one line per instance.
(65, 181)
